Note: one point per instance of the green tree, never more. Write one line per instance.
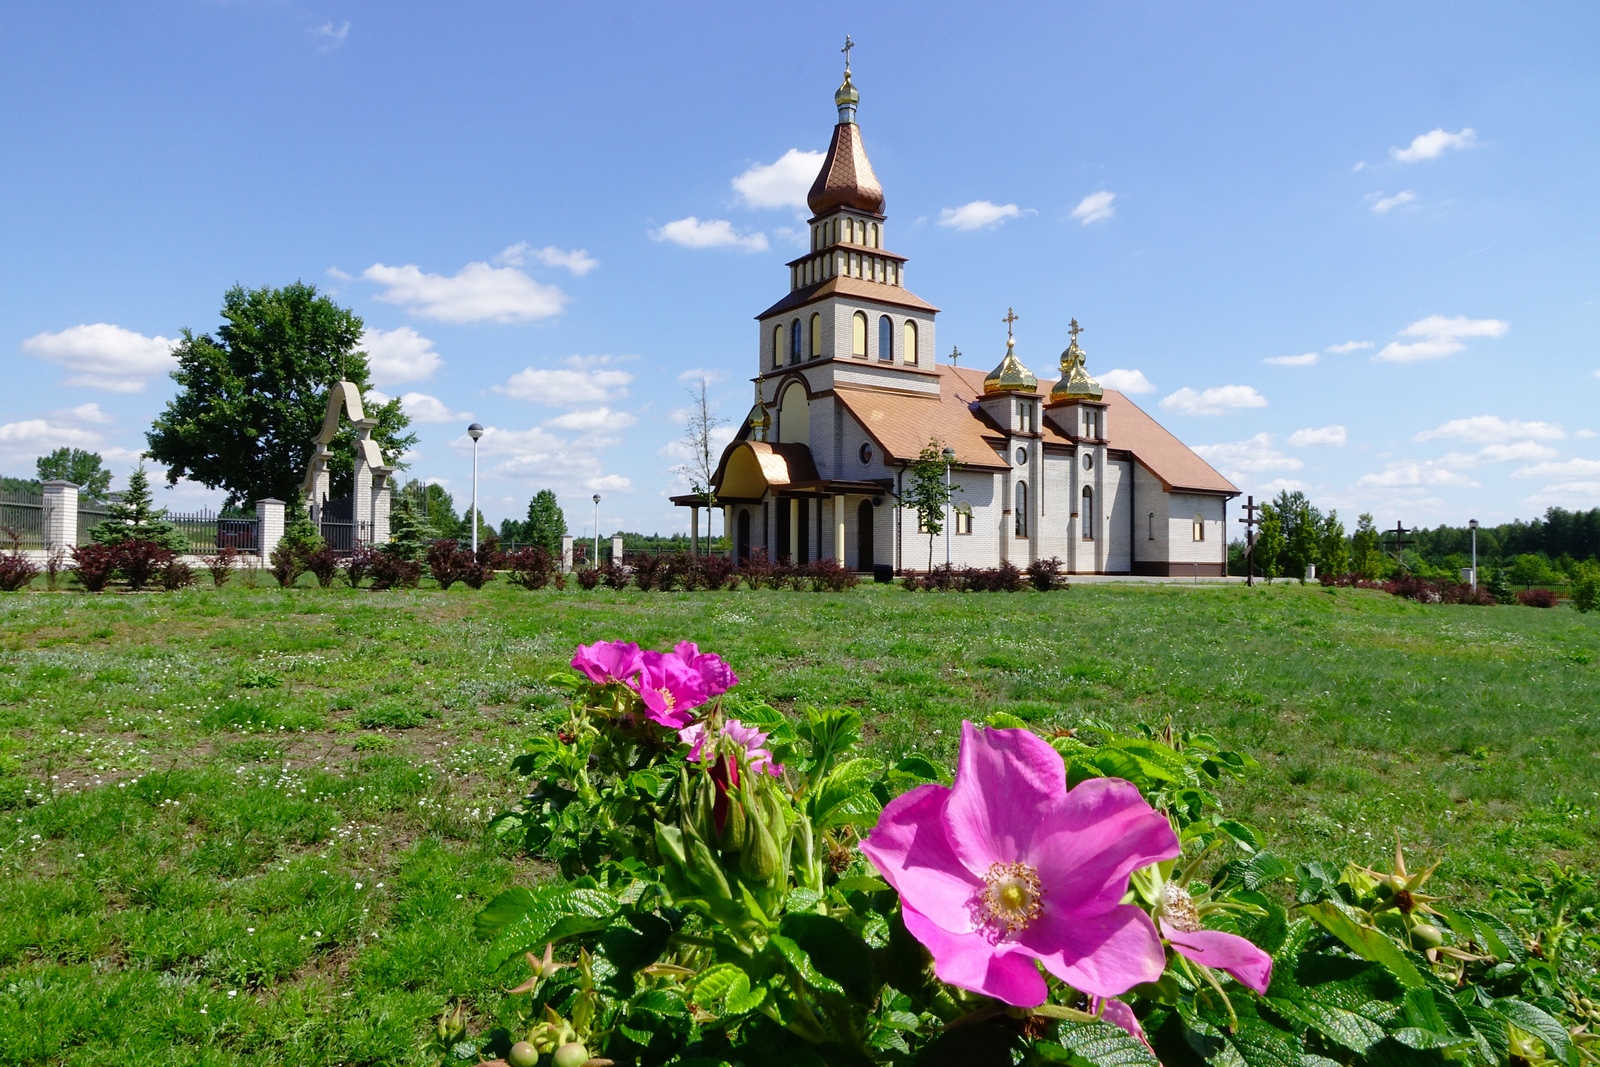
(1366, 552)
(435, 509)
(1270, 543)
(134, 517)
(251, 399)
(85, 469)
(546, 524)
(1586, 586)
(1301, 522)
(1333, 548)
(929, 495)
(1528, 570)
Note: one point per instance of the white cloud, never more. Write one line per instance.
(711, 233)
(1516, 450)
(1382, 205)
(1218, 400)
(1572, 468)
(1432, 144)
(103, 356)
(1125, 380)
(593, 420)
(1584, 434)
(567, 387)
(576, 260)
(978, 215)
(331, 36)
(1441, 337)
(1280, 485)
(1480, 427)
(1408, 474)
(335, 272)
(1253, 456)
(1096, 207)
(1348, 346)
(695, 375)
(88, 413)
(783, 183)
(35, 437)
(424, 408)
(1323, 435)
(401, 355)
(476, 293)
(1305, 359)
(614, 483)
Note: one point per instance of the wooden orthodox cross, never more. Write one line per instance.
(1251, 520)
(1401, 541)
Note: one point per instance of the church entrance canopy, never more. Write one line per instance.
(750, 471)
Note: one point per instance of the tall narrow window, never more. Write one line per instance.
(777, 345)
(885, 339)
(858, 334)
(963, 518)
(1021, 506)
(816, 335)
(795, 341)
(911, 342)
(1025, 416)
(1086, 514)
(849, 232)
(1199, 528)
(1152, 536)
(874, 235)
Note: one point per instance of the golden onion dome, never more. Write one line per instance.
(1075, 383)
(760, 421)
(1010, 375)
(847, 94)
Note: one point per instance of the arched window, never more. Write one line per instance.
(777, 345)
(1086, 514)
(1152, 536)
(1021, 507)
(911, 342)
(816, 335)
(795, 341)
(849, 232)
(874, 235)
(963, 518)
(1199, 528)
(885, 339)
(858, 334)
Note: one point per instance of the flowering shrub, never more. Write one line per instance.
(739, 887)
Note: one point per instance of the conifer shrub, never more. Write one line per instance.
(221, 565)
(17, 571)
(94, 564)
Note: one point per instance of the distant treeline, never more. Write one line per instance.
(1574, 534)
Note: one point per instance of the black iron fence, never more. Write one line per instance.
(346, 536)
(21, 513)
(207, 531)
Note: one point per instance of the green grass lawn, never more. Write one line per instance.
(248, 824)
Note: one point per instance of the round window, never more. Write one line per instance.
(1088, 462)
(866, 452)
(1022, 457)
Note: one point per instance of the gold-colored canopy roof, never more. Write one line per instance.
(1075, 383)
(1010, 375)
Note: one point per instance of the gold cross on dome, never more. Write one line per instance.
(848, 44)
(1011, 316)
(1074, 330)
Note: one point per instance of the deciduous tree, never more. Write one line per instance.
(85, 469)
(928, 494)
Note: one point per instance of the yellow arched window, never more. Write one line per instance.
(858, 334)
(849, 231)
(777, 345)
(816, 336)
(1199, 528)
(874, 235)
(911, 342)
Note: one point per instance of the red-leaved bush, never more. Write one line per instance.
(94, 565)
(16, 569)
(1537, 598)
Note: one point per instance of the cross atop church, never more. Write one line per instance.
(1011, 316)
(848, 44)
(1074, 330)
(955, 356)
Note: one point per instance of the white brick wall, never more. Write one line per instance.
(1183, 548)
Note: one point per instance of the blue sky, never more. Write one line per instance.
(1354, 250)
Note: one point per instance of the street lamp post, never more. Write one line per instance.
(1472, 524)
(949, 458)
(474, 431)
(596, 561)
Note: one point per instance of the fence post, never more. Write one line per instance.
(60, 526)
(566, 553)
(616, 550)
(269, 526)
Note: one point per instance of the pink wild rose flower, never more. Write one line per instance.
(669, 687)
(1180, 925)
(1008, 866)
(713, 669)
(750, 739)
(605, 662)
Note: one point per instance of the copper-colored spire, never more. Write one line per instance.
(846, 179)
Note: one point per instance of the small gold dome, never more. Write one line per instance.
(1075, 383)
(760, 421)
(1010, 375)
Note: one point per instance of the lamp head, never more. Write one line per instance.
(597, 498)
(1472, 524)
(475, 431)
(949, 455)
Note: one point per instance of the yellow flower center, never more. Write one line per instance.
(1012, 895)
(1177, 908)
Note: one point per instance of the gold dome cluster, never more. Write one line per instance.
(1075, 383)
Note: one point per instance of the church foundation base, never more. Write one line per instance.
(1179, 570)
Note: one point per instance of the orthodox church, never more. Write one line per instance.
(848, 394)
